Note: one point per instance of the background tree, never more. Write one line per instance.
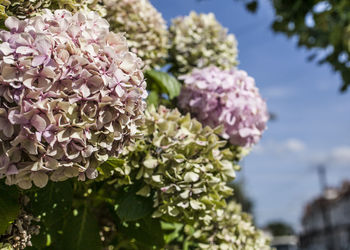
(321, 26)
(280, 228)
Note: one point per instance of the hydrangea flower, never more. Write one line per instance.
(183, 166)
(226, 97)
(71, 95)
(199, 40)
(230, 229)
(27, 8)
(144, 27)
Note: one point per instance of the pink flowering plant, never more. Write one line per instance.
(226, 97)
(84, 164)
(71, 95)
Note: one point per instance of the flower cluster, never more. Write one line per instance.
(197, 41)
(71, 95)
(183, 165)
(227, 97)
(229, 229)
(24, 8)
(144, 28)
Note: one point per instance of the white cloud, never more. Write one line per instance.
(274, 92)
(340, 155)
(337, 156)
(294, 145)
(290, 145)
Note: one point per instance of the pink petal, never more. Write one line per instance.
(12, 170)
(24, 50)
(38, 60)
(6, 49)
(14, 24)
(38, 122)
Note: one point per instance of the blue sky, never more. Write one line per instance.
(313, 117)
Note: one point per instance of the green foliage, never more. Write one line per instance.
(328, 35)
(146, 232)
(160, 83)
(9, 206)
(52, 204)
(133, 207)
(280, 228)
(81, 231)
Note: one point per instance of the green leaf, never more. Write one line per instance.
(146, 232)
(52, 203)
(173, 231)
(81, 232)
(107, 168)
(162, 83)
(153, 98)
(133, 207)
(9, 206)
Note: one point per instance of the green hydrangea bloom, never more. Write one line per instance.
(26, 8)
(199, 40)
(184, 166)
(230, 229)
(144, 27)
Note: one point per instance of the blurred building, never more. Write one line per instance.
(326, 221)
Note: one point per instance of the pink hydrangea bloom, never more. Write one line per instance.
(226, 97)
(71, 95)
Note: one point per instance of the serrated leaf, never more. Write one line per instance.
(81, 232)
(162, 83)
(9, 206)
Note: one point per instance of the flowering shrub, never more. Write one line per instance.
(227, 97)
(229, 229)
(184, 166)
(26, 8)
(72, 106)
(144, 27)
(70, 97)
(199, 40)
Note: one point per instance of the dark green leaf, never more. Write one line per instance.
(162, 83)
(146, 232)
(132, 207)
(81, 232)
(53, 203)
(9, 206)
